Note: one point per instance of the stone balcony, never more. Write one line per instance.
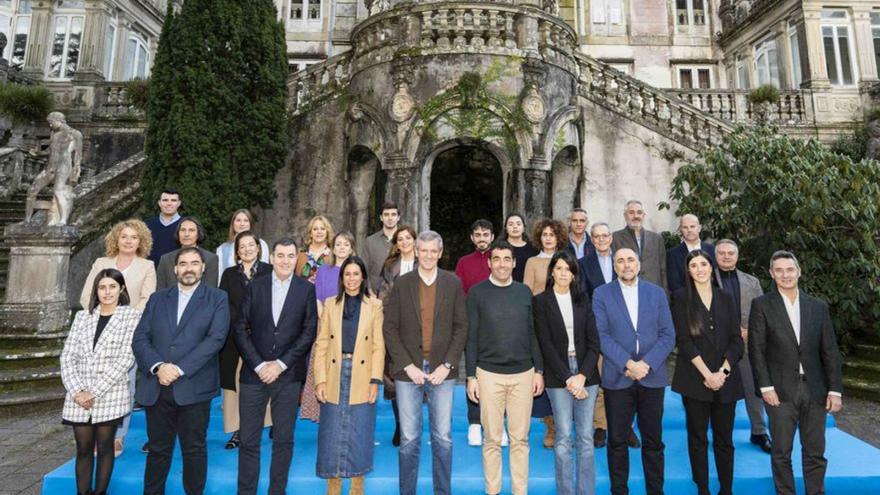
(793, 109)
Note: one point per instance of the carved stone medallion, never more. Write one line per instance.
(402, 105)
(533, 106)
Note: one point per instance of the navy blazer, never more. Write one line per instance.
(591, 273)
(655, 334)
(193, 345)
(675, 258)
(259, 339)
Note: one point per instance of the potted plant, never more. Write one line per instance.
(764, 100)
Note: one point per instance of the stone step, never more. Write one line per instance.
(867, 369)
(863, 389)
(17, 359)
(15, 404)
(31, 379)
(868, 351)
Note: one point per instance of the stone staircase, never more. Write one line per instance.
(861, 370)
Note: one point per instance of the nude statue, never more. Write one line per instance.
(63, 169)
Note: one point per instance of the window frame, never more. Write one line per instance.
(694, 70)
(70, 15)
(763, 49)
(110, 60)
(837, 20)
(19, 23)
(690, 13)
(130, 68)
(794, 53)
(875, 38)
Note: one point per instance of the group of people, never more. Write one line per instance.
(569, 325)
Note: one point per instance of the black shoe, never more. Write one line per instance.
(271, 432)
(136, 406)
(599, 438)
(234, 441)
(633, 441)
(145, 448)
(762, 441)
(395, 440)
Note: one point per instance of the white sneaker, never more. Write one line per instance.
(505, 440)
(475, 435)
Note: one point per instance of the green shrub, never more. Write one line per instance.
(138, 91)
(764, 94)
(25, 104)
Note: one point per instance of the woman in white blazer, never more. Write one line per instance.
(127, 246)
(94, 368)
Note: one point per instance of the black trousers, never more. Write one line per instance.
(698, 414)
(166, 421)
(252, 401)
(621, 406)
(809, 417)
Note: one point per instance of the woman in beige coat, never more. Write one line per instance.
(349, 357)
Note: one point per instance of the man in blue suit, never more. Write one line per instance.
(689, 227)
(274, 334)
(177, 344)
(598, 264)
(636, 336)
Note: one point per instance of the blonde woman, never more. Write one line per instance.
(317, 250)
(242, 221)
(127, 247)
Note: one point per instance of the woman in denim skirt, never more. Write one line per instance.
(349, 357)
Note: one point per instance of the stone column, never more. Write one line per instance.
(36, 291)
(39, 40)
(864, 44)
(91, 58)
(402, 187)
(531, 193)
(813, 31)
(783, 55)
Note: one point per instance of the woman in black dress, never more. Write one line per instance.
(515, 234)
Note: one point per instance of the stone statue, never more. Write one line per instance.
(63, 168)
(872, 145)
(551, 7)
(743, 8)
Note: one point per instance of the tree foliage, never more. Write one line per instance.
(217, 109)
(769, 191)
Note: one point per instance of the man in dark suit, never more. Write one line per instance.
(744, 288)
(425, 333)
(647, 245)
(176, 345)
(636, 336)
(689, 227)
(274, 334)
(797, 368)
(598, 264)
(189, 233)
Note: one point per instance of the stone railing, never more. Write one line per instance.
(422, 29)
(103, 198)
(650, 106)
(18, 168)
(112, 103)
(793, 109)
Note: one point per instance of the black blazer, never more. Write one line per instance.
(776, 355)
(591, 273)
(675, 258)
(259, 339)
(553, 339)
(234, 283)
(720, 339)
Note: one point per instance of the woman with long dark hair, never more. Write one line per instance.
(566, 331)
(401, 258)
(94, 369)
(349, 359)
(515, 235)
(710, 346)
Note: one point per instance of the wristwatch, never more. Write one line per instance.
(725, 371)
(448, 365)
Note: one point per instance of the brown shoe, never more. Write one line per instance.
(334, 486)
(357, 486)
(550, 433)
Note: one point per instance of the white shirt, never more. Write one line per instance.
(432, 279)
(567, 310)
(175, 218)
(280, 288)
(543, 254)
(606, 264)
(695, 247)
(406, 266)
(631, 298)
(498, 283)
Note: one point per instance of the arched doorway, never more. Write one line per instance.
(467, 183)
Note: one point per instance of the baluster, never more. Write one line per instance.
(459, 40)
(509, 35)
(427, 30)
(494, 32)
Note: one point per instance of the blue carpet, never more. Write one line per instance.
(854, 466)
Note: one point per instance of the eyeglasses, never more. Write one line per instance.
(601, 236)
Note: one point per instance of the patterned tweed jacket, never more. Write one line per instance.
(103, 371)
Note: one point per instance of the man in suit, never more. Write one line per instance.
(578, 241)
(274, 334)
(744, 288)
(597, 266)
(176, 345)
(636, 335)
(189, 234)
(689, 227)
(797, 368)
(425, 333)
(377, 245)
(648, 246)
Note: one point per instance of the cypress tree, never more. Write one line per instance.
(217, 109)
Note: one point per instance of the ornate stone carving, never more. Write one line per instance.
(402, 105)
(62, 169)
(533, 106)
(356, 113)
(551, 7)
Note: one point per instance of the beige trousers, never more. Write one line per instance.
(599, 420)
(510, 394)
(231, 421)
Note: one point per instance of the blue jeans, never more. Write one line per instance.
(410, 398)
(569, 412)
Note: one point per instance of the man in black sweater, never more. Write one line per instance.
(504, 366)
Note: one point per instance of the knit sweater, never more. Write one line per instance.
(472, 269)
(163, 238)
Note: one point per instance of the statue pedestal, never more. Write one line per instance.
(36, 290)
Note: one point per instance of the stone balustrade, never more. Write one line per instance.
(793, 108)
(681, 121)
(18, 169)
(319, 81)
(112, 103)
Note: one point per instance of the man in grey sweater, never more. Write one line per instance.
(504, 366)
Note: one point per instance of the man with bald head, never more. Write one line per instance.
(647, 245)
(689, 227)
(636, 335)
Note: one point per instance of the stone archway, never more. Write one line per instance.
(366, 183)
(465, 182)
(565, 182)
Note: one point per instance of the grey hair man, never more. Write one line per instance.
(648, 245)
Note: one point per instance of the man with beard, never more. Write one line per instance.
(176, 345)
(647, 245)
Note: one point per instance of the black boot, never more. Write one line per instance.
(234, 441)
(395, 440)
